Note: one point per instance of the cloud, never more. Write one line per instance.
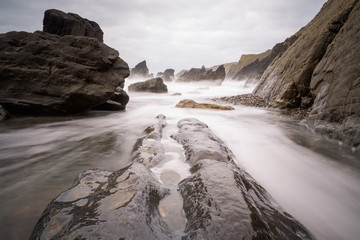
(176, 34)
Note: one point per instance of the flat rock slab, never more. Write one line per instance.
(188, 103)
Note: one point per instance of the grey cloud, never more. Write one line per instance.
(178, 34)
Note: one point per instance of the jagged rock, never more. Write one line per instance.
(188, 103)
(140, 71)
(155, 85)
(253, 71)
(60, 23)
(167, 76)
(222, 201)
(321, 68)
(198, 74)
(3, 113)
(42, 73)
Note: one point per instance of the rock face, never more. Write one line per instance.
(253, 71)
(320, 71)
(188, 103)
(60, 23)
(220, 200)
(42, 73)
(140, 71)
(155, 85)
(198, 74)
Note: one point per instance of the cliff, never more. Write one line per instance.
(320, 71)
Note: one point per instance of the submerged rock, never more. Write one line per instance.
(60, 23)
(188, 103)
(155, 85)
(3, 113)
(222, 201)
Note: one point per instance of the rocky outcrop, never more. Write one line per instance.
(253, 71)
(319, 71)
(167, 76)
(117, 101)
(198, 74)
(60, 23)
(42, 73)
(188, 103)
(155, 85)
(140, 71)
(220, 200)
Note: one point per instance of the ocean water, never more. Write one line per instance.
(314, 179)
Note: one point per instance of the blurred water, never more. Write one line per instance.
(314, 179)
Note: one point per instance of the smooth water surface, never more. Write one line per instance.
(314, 179)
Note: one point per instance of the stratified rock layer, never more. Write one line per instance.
(222, 201)
(155, 85)
(43, 73)
(60, 23)
(320, 71)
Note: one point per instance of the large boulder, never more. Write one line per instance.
(155, 85)
(320, 72)
(220, 200)
(42, 73)
(60, 23)
(140, 71)
(199, 74)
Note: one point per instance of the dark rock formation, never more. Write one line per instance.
(321, 68)
(116, 102)
(169, 75)
(155, 85)
(60, 23)
(222, 201)
(188, 103)
(198, 74)
(140, 71)
(253, 71)
(42, 73)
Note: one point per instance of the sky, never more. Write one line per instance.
(178, 34)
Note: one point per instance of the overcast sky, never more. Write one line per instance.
(177, 34)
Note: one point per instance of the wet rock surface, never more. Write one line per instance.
(155, 85)
(188, 103)
(220, 200)
(60, 23)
